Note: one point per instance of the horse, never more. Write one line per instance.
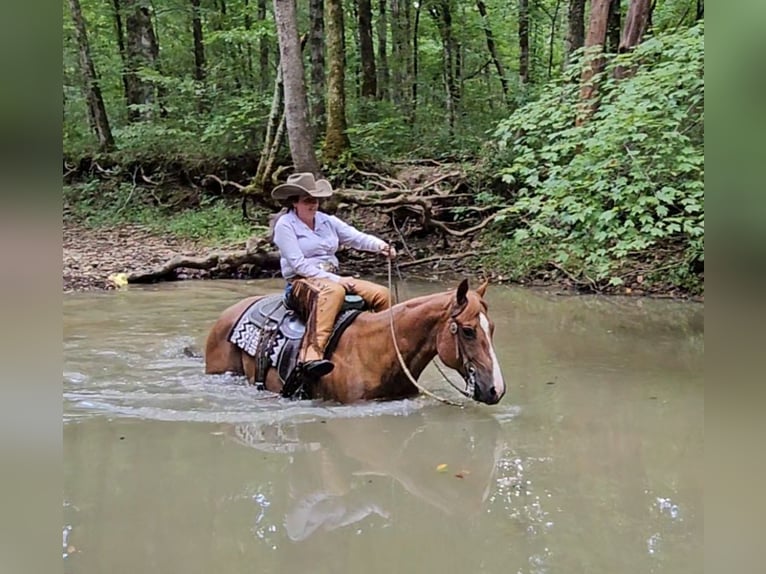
(371, 365)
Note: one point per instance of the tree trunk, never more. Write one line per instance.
(142, 50)
(199, 54)
(491, 47)
(554, 22)
(96, 109)
(366, 50)
(613, 28)
(576, 28)
(401, 61)
(635, 26)
(263, 49)
(415, 62)
(383, 78)
(270, 142)
(199, 45)
(594, 47)
(299, 131)
(121, 47)
(700, 9)
(316, 55)
(524, 41)
(649, 25)
(442, 15)
(336, 139)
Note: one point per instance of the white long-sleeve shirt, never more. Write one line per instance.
(302, 249)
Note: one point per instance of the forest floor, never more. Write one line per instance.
(93, 256)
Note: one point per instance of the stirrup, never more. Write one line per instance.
(303, 373)
(318, 368)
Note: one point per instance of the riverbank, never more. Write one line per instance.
(94, 256)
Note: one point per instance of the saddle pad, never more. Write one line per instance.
(246, 334)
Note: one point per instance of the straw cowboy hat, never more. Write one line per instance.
(302, 184)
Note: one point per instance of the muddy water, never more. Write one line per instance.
(591, 463)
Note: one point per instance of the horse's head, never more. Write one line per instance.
(464, 343)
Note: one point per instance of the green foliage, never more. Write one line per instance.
(214, 221)
(629, 179)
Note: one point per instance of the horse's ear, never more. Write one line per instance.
(462, 289)
(482, 289)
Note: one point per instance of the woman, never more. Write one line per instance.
(308, 240)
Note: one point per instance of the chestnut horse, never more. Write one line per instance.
(453, 325)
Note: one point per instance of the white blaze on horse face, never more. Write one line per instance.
(497, 376)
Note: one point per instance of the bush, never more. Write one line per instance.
(626, 182)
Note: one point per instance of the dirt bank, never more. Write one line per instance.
(90, 256)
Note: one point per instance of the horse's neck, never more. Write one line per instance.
(415, 324)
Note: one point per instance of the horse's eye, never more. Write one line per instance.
(468, 332)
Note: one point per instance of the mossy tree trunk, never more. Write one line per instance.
(336, 139)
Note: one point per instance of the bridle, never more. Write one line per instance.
(454, 328)
(469, 369)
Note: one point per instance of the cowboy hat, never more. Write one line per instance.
(302, 184)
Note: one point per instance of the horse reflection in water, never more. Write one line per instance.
(454, 325)
(340, 470)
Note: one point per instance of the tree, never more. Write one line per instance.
(299, 132)
(96, 110)
(142, 51)
(576, 28)
(199, 51)
(491, 47)
(524, 41)
(121, 47)
(336, 139)
(263, 49)
(316, 56)
(401, 55)
(366, 50)
(441, 12)
(594, 48)
(613, 27)
(382, 29)
(635, 26)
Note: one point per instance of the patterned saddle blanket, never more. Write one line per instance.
(272, 333)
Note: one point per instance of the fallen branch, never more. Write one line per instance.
(265, 260)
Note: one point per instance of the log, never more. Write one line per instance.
(221, 260)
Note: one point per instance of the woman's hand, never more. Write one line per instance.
(388, 251)
(348, 283)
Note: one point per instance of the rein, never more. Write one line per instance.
(399, 354)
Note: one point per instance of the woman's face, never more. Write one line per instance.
(306, 207)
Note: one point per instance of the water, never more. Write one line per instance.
(591, 463)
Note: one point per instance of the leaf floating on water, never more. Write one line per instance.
(441, 468)
(459, 475)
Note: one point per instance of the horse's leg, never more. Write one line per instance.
(273, 382)
(249, 367)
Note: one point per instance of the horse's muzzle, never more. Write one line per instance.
(484, 390)
(488, 396)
